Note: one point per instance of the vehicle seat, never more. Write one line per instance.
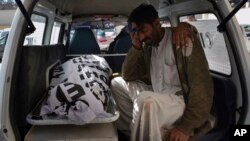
(31, 79)
(224, 109)
(84, 42)
(122, 46)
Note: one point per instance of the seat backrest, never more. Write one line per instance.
(31, 79)
(122, 46)
(224, 102)
(224, 109)
(84, 42)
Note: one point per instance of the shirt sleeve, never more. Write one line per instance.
(200, 96)
(133, 67)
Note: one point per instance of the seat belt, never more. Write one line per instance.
(222, 26)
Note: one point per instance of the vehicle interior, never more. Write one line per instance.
(67, 29)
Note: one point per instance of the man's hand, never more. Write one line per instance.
(181, 33)
(136, 43)
(176, 135)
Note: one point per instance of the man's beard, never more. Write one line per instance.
(153, 40)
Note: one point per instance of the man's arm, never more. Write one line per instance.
(133, 67)
(200, 97)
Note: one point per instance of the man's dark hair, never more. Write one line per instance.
(145, 13)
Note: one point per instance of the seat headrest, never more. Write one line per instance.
(84, 42)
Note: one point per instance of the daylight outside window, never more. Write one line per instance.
(36, 38)
(55, 32)
(212, 41)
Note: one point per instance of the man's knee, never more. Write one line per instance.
(148, 103)
(118, 84)
(145, 100)
(144, 95)
(117, 81)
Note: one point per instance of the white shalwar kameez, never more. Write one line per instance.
(152, 109)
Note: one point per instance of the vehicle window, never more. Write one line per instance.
(212, 41)
(71, 34)
(165, 23)
(4, 34)
(36, 38)
(233, 3)
(55, 32)
(247, 30)
(104, 32)
(3, 40)
(105, 37)
(242, 17)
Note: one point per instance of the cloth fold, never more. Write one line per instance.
(79, 90)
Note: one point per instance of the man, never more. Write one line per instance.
(165, 92)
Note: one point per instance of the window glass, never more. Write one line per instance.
(7, 4)
(104, 31)
(242, 17)
(3, 37)
(245, 28)
(36, 38)
(71, 34)
(105, 37)
(236, 2)
(3, 40)
(55, 33)
(165, 23)
(212, 41)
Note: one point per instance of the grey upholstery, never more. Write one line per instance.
(224, 108)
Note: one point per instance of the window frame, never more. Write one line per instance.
(45, 27)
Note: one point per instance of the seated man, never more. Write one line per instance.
(166, 91)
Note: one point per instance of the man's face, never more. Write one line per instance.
(147, 33)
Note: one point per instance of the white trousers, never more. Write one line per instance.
(145, 115)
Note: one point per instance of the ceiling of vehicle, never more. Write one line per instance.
(90, 7)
